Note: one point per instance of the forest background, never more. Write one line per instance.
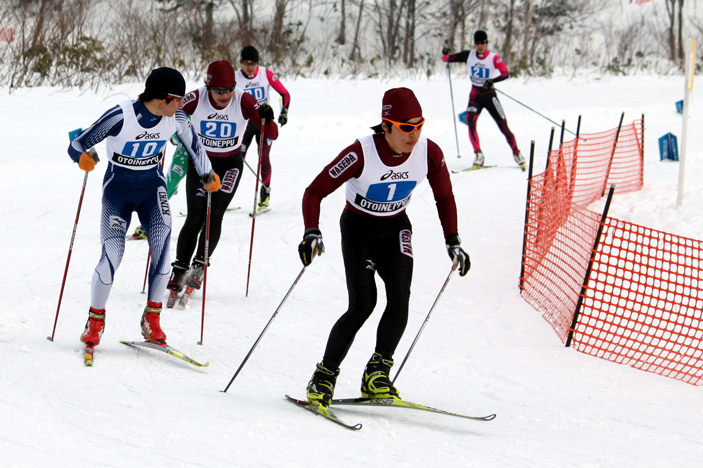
(94, 43)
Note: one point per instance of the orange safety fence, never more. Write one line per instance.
(560, 232)
(641, 303)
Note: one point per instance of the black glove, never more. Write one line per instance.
(283, 118)
(266, 113)
(457, 254)
(446, 51)
(488, 84)
(312, 245)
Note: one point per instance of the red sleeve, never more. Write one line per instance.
(500, 66)
(250, 110)
(278, 86)
(190, 102)
(438, 177)
(349, 163)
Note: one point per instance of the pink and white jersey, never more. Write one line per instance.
(482, 69)
(136, 147)
(383, 190)
(219, 130)
(258, 86)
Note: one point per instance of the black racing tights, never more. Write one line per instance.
(230, 171)
(371, 244)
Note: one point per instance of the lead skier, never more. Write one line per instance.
(136, 133)
(381, 171)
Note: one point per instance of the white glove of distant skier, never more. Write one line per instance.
(311, 245)
(457, 254)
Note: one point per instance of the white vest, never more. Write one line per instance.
(257, 86)
(382, 190)
(219, 130)
(481, 70)
(136, 147)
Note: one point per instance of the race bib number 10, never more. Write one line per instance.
(143, 149)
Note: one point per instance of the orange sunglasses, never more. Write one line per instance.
(407, 127)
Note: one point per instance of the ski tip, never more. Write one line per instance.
(490, 417)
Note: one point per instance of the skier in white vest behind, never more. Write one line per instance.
(485, 69)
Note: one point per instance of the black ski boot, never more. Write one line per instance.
(321, 386)
(376, 382)
(178, 275)
(195, 275)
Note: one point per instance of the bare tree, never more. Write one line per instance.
(341, 39)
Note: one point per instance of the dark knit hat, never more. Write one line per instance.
(480, 37)
(220, 74)
(163, 83)
(400, 104)
(250, 54)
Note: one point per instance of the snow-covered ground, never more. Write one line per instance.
(483, 351)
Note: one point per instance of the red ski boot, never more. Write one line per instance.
(94, 327)
(151, 326)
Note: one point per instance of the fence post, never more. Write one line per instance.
(527, 214)
(612, 154)
(577, 311)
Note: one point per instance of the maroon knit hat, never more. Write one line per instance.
(220, 74)
(400, 104)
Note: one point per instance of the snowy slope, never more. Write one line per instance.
(483, 351)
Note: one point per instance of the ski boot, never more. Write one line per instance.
(478, 162)
(264, 199)
(376, 382)
(94, 327)
(321, 386)
(151, 326)
(519, 160)
(139, 233)
(178, 275)
(195, 275)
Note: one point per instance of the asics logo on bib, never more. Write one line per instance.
(218, 117)
(394, 175)
(147, 135)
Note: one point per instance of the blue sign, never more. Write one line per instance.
(462, 118)
(668, 148)
(679, 107)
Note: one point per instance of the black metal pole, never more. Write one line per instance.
(577, 311)
(527, 214)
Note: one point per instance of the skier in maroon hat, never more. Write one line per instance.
(381, 171)
(220, 113)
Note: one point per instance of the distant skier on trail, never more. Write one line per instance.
(486, 68)
(257, 81)
(136, 133)
(381, 171)
(220, 113)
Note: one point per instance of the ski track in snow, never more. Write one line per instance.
(483, 351)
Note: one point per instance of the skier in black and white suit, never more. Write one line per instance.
(136, 133)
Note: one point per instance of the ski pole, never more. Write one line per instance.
(256, 197)
(146, 272)
(265, 328)
(454, 267)
(206, 258)
(68, 260)
(528, 107)
(451, 93)
(252, 170)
